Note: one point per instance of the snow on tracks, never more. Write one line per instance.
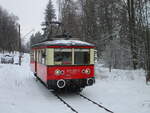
(80, 104)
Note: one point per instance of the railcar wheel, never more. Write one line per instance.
(35, 74)
(79, 90)
(74, 90)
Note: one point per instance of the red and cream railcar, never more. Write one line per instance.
(64, 64)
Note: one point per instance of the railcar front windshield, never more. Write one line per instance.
(63, 57)
(81, 56)
(71, 56)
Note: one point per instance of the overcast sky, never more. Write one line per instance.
(30, 12)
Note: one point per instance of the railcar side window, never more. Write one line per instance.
(32, 55)
(82, 56)
(43, 56)
(39, 56)
(62, 57)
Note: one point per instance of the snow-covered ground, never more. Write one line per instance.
(122, 91)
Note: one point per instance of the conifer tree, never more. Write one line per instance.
(49, 16)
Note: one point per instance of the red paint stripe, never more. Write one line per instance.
(43, 47)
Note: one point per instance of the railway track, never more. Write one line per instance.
(68, 105)
(84, 97)
(99, 105)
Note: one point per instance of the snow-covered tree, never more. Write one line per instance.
(9, 36)
(49, 16)
(49, 13)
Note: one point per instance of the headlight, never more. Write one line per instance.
(61, 72)
(57, 72)
(88, 71)
(83, 71)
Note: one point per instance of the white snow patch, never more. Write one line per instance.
(67, 42)
(121, 91)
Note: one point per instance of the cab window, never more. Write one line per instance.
(81, 56)
(62, 57)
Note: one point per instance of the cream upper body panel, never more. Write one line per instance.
(51, 51)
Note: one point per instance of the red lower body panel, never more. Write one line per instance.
(42, 72)
(74, 76)
(70, 72)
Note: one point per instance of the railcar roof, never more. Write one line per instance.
(63, 43)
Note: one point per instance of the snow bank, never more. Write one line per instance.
(117, 74)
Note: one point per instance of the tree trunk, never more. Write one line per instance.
(131, 13)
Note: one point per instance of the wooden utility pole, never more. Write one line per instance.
(19, 46)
